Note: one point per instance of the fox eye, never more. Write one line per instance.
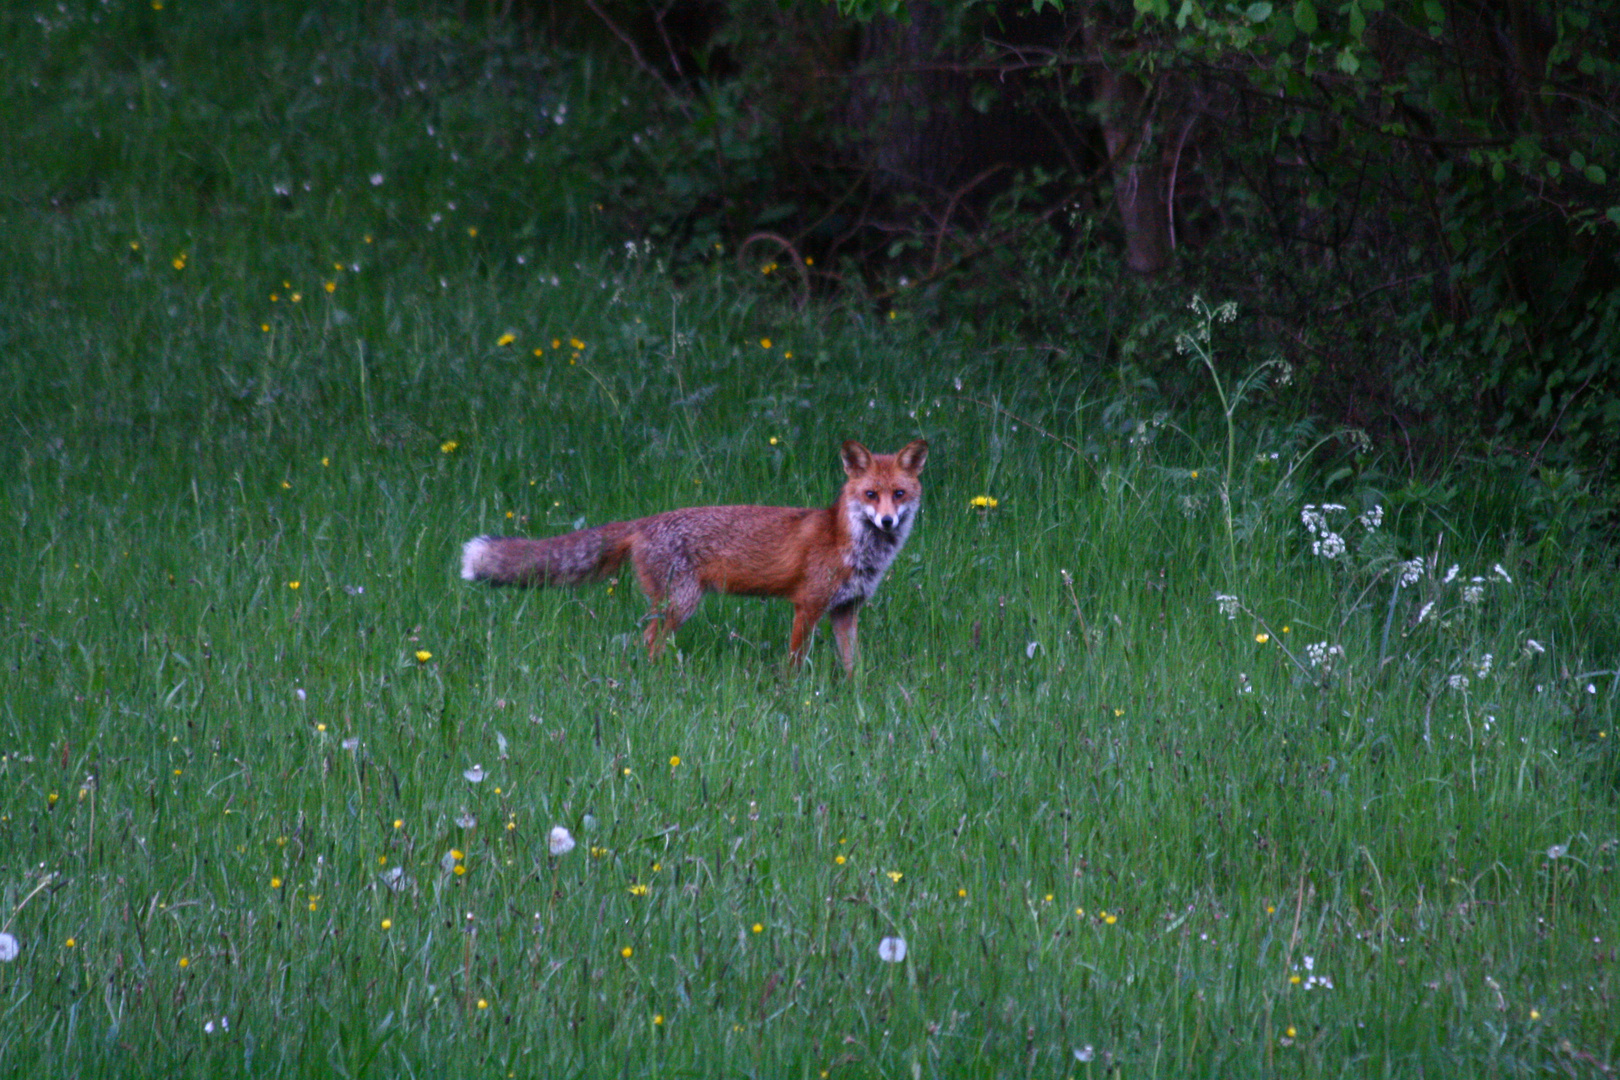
(871, 494)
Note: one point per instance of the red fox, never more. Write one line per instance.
(825, 561)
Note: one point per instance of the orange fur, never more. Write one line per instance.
(824, 561)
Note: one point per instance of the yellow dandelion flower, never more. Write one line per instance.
(1262, 638)
(961, 894)
(448, 446)
(423, 656)
(482, 1004)
(275, 883)
(839, 860)
(69, 943)
(773, 440)
(675, 761)
(388, 924)
(330, 286)
(50, 800)
(627, 952)
(658, 1019)
(576, 344)
(472, 230)
(638, 889)
(296, 297)
(286, 485)
(1290, 1032)
(265, 327)
(764, 342)
(758, 928)
(399, 823)
(293, 585)
(505, 339)
(1110, 919)
(895, 876)
(185, 961)
(983, 502)
(1193, 475)
(326, 463)
(461, 868)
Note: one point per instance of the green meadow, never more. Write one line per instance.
(1189, 739)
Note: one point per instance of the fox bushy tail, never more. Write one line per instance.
(570, 559)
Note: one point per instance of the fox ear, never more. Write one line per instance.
(857, 458)
(911, 456)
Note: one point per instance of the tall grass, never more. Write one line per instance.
(278, 786)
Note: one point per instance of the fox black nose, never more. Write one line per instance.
(887, 522)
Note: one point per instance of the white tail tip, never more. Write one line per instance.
(472, 555)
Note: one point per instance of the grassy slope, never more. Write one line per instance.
(1062, 796)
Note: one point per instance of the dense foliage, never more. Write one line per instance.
(1417, 197)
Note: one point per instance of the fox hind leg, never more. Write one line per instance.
(674, 598)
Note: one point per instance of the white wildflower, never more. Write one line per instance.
(8, 948)
(1322, 655)
(1473, 594)
(560, 841)
(1484, 668)
(1451, 575)
(1532, 647)
(1330, 546)
(1423, 612)
(1372, 519)
(1501, 573)
(1558, 851)
(474, 775)
(1229, 605)
(892, 950)
(466, 820)
(1411, 571)
(1084, 1053)
(1458, 681)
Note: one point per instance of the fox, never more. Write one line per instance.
(823, 560)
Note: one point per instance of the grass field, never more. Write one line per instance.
(1150, 777)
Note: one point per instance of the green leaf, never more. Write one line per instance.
(1596, 175)
(1613, 214)
(1348, 61)
(1358, 22)
(1435, 11)
(1305, 16)
(1258, 12)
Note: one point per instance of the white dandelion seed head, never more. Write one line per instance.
(1558, 851)
(8, 948)
(351, 744)
(1084, 1053)
(559, 841)
(892, 950)
(1458, 681)
(466, 820)
(474, 775)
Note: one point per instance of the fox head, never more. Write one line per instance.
(883, 489)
